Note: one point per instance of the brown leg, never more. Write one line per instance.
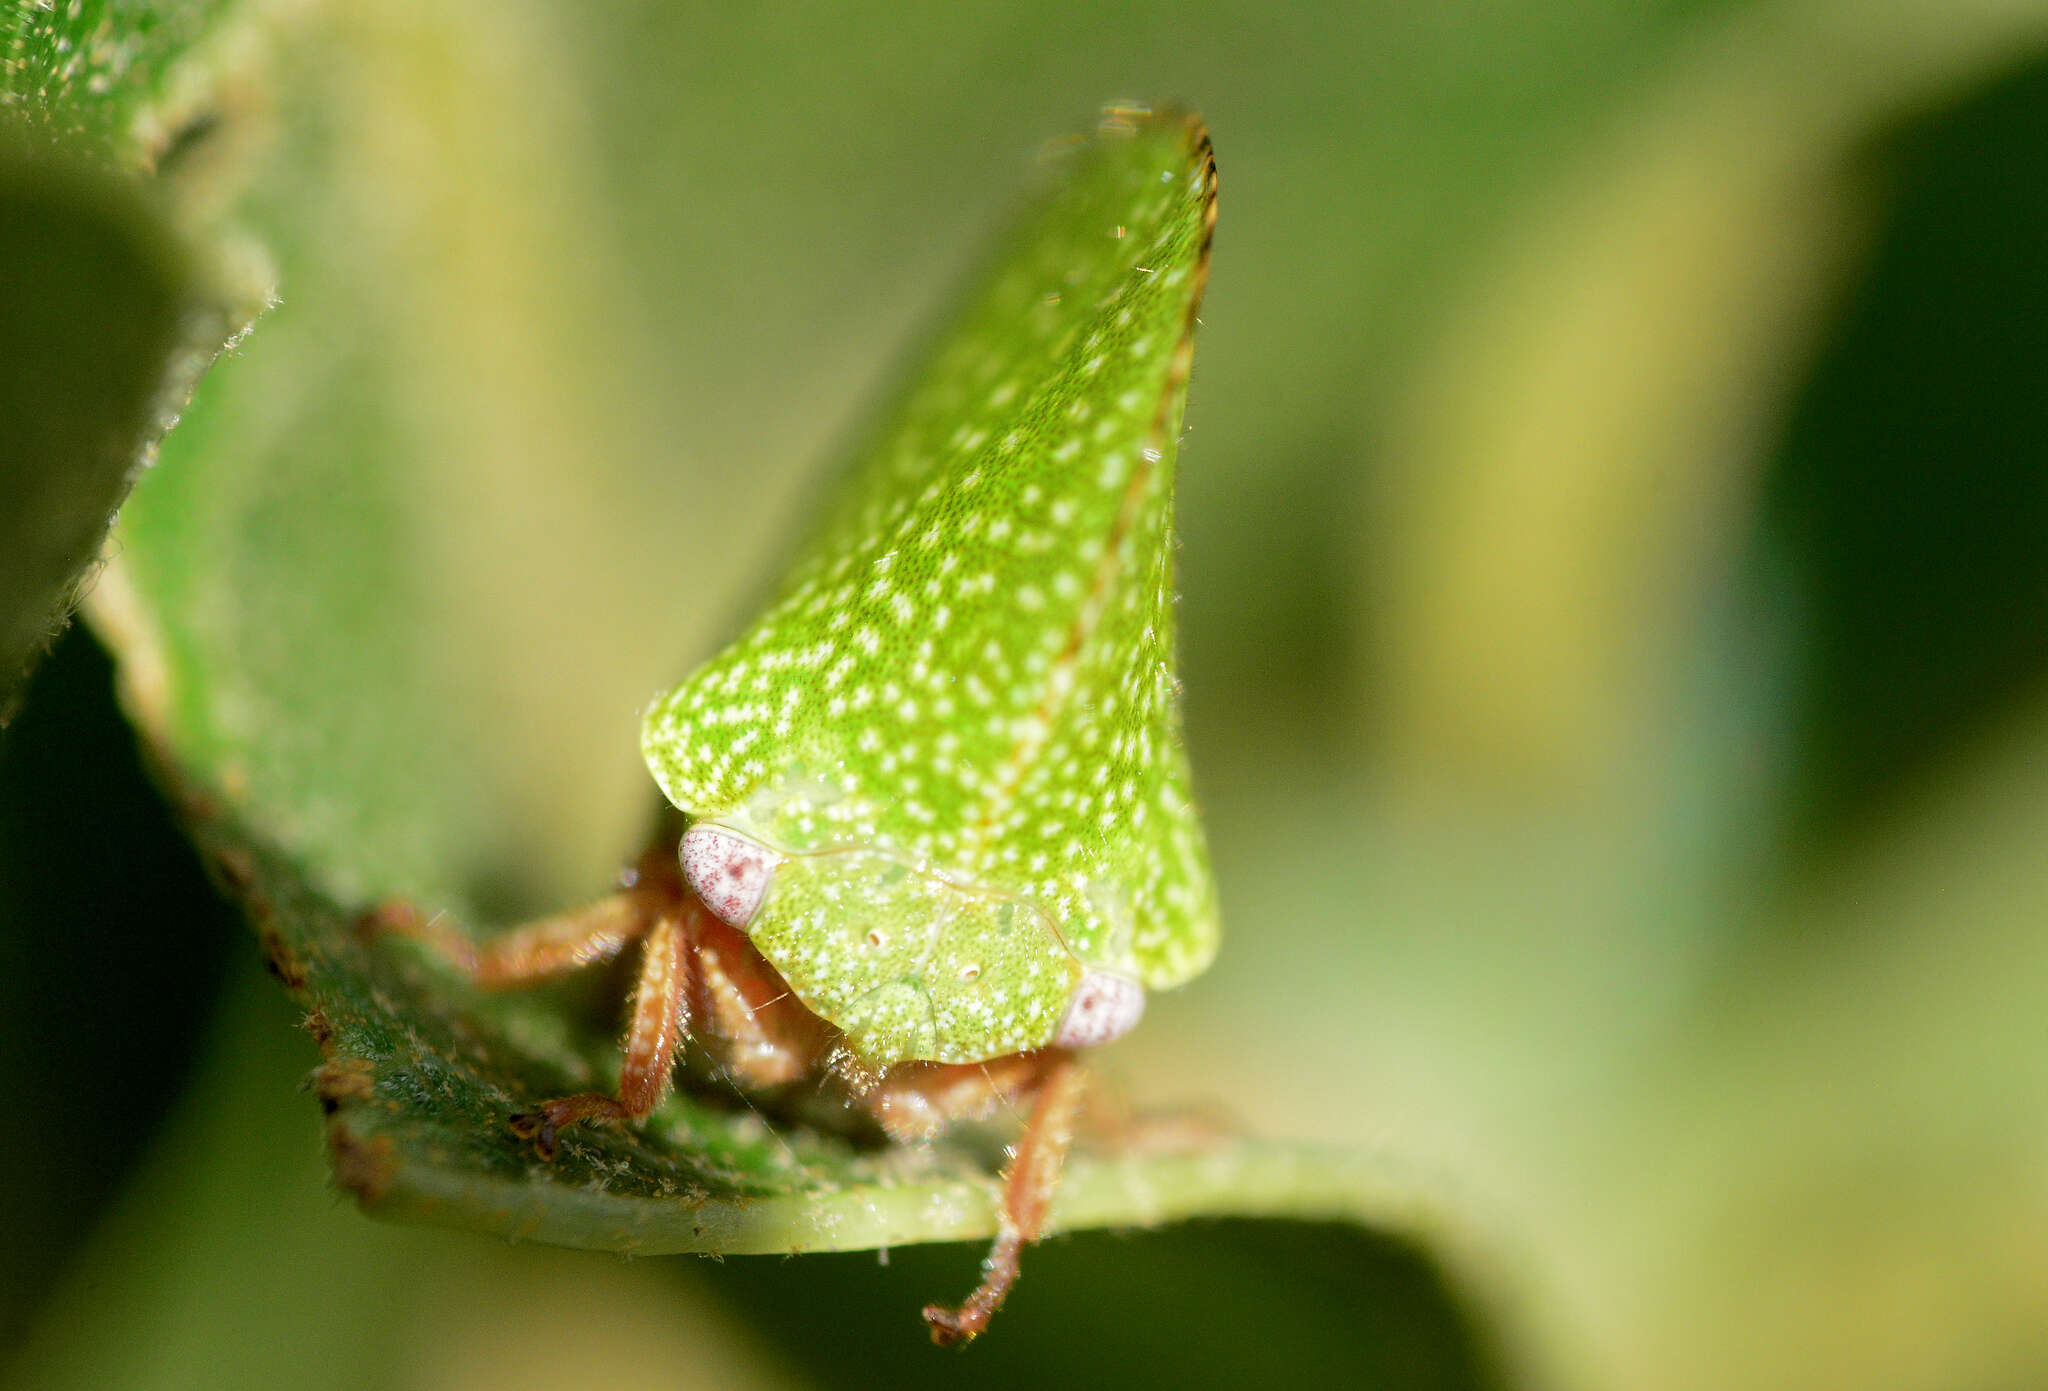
(748, 1020)
(1027, 1196)
(660, 1006)
(697, 971)
(549, 947)
(915, 1102)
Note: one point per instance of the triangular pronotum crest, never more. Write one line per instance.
(952, 743)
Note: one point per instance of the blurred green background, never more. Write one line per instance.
(1615, 611)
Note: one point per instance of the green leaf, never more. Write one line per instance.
(420, 1074)
(111, 313)
(96, 295)
(93, 76)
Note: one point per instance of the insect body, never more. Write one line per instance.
(937, 791)
(940, 781)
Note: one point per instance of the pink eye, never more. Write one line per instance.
(1105, 1006)
(730, 874)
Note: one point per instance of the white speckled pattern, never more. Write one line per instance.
(958, 723)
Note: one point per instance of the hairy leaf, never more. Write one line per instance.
(109, 314)
(94, 300)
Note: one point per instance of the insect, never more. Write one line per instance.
(937, 834)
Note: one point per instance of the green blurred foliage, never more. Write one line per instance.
(1907, 498)
(1613, 607)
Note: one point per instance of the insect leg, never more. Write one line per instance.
(752, 1027)
(1028, 1190)
(547, 947)
(915, 1102)
(660, 1004)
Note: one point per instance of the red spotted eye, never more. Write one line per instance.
(1104, 1007)
(729, 873)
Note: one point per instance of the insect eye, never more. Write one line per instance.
(730, 874)
(1105, 1006)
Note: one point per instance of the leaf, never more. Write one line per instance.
(312, 809)
(224, 1250)
(420, 1074)
(110, 313)
(97, 291)
(93, 76)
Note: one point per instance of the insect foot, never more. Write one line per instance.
(540, 1126)
(1106, 1006)
(730, 874)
